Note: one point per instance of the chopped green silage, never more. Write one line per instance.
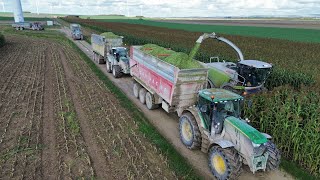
(179, 59)
(194, 50)
(109, 35)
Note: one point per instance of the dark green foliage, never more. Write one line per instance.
(2, 40)
(293, 119)
(301, 35)
(133, 35)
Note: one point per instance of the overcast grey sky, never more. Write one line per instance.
(172, 8)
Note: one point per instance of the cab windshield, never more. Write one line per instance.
(254, 76)
(122, 52)
(218, 111)
(228, 108)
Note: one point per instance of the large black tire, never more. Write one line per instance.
(224, 163)
(108, 64)
(142, 95)
(189, 131)
(274, 156)
(136, 89)
(116, 71)
(150, 101)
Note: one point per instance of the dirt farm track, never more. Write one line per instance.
(58, 122)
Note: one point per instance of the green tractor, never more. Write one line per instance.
(243, 77)
(214, 125)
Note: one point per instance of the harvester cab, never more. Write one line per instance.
(245, 76)
(253, 72)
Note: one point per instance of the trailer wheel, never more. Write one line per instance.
(94, 56)
(109, 70)
(136, 89)
(224, 163)
(100, 61)
(274, 157)
(150, 102)
(116, 71)
(189, 131)
(142, 95)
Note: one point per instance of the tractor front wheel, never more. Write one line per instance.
(116, 71)
(224, 163)
(189, 131)
(274, 156)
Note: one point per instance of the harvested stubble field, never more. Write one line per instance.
(59, 121)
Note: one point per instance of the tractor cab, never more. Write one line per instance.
(215, 105)
(120, 53)
(253, 73)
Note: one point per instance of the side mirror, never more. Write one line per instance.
(203, 108)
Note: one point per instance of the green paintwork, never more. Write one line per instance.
(239, 87)
(203, 121)
(219, 95)
(194, 51)
(254, 135)
(217, 77)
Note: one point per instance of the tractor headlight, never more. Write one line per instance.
(258, 149)
(255, 145)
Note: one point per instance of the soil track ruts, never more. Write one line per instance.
(58, 120)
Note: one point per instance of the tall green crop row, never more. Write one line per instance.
(2, 40)
(278, 77)
(293, 119)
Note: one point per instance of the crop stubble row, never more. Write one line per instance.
(127, 154)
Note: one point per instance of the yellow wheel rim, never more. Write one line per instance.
(186, 131)
(219, 164)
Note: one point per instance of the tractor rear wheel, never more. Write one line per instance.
(274, 156)
(109, 69)
(224, 163)
(142, 95)
(136, 89)
(189, 131)
(150, 101)
(116, 71)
